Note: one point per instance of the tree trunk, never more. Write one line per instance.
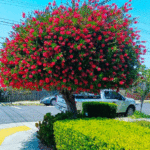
(141, 105)
(142, 100)
(70, 101)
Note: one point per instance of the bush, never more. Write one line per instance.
(100, 133)
(46, 132)
(99, 109)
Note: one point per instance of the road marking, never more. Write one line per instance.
(16, 107)
(9, 131)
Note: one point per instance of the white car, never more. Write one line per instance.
(125, 105)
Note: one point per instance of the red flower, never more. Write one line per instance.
(103, 45)
(91, 86)
(104, 79)
(100, 38)
(71, 56)
(69, 88)
(44, 65)
(98, 69)
(33, 66)
(70, 9)
(60, 38)
(85, 30)
(47, 80)
(93, 66)
(23, 15)
(79, 68)
(64, 80)
(21, 68)
(121, 82)
(49, 71)
(30, 76)
(99, 85)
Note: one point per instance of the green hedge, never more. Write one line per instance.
(100, 134)
(99, 109)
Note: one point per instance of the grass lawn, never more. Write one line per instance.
(138, 114)
(22, 104)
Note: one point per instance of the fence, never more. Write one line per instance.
(13, 96)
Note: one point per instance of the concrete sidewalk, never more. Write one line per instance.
(20, 136)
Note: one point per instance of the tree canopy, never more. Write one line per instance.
(79, 48)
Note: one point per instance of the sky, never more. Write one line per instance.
(11, 12)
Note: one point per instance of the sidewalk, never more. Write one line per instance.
(145, 101)
(20, 136)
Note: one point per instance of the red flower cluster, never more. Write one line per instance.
(78, 50)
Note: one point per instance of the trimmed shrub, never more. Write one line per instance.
(99, 133)
(99, 109)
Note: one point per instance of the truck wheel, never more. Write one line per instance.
(130, 111)
(53, 102)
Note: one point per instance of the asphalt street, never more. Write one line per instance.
(145, 108)
(14, 114)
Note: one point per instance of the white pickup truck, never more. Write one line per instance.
(125, 105)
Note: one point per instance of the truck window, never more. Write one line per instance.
(113, 95)
(94, 96)
(107, 94)
(79, 97)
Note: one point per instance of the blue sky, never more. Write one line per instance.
(12, 10)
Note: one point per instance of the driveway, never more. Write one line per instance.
(14, 114)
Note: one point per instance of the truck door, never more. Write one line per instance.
(114, 97)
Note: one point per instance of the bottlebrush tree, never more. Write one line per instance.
(80, 48)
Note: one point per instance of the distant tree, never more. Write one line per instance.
(73, 49)
(142, 85)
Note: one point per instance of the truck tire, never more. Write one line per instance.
(130, 111)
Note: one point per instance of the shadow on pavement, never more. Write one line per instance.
(34, 144)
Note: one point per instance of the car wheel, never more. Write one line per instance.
(47, 104)
(53, 102)
(130, 111)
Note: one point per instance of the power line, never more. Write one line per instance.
(20, 4)
(103, 2)
(10, 20)
(5, 24)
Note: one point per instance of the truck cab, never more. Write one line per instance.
(124, 105)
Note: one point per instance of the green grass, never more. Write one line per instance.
(22, 104)
(138, 114)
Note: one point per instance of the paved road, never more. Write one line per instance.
(14, 114)
(145, 108)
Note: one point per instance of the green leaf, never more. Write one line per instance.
(53, 45)
(75, 20)
(35, 34)
(75, 46)
(81, 41)
(112, 29)
(101, 75)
